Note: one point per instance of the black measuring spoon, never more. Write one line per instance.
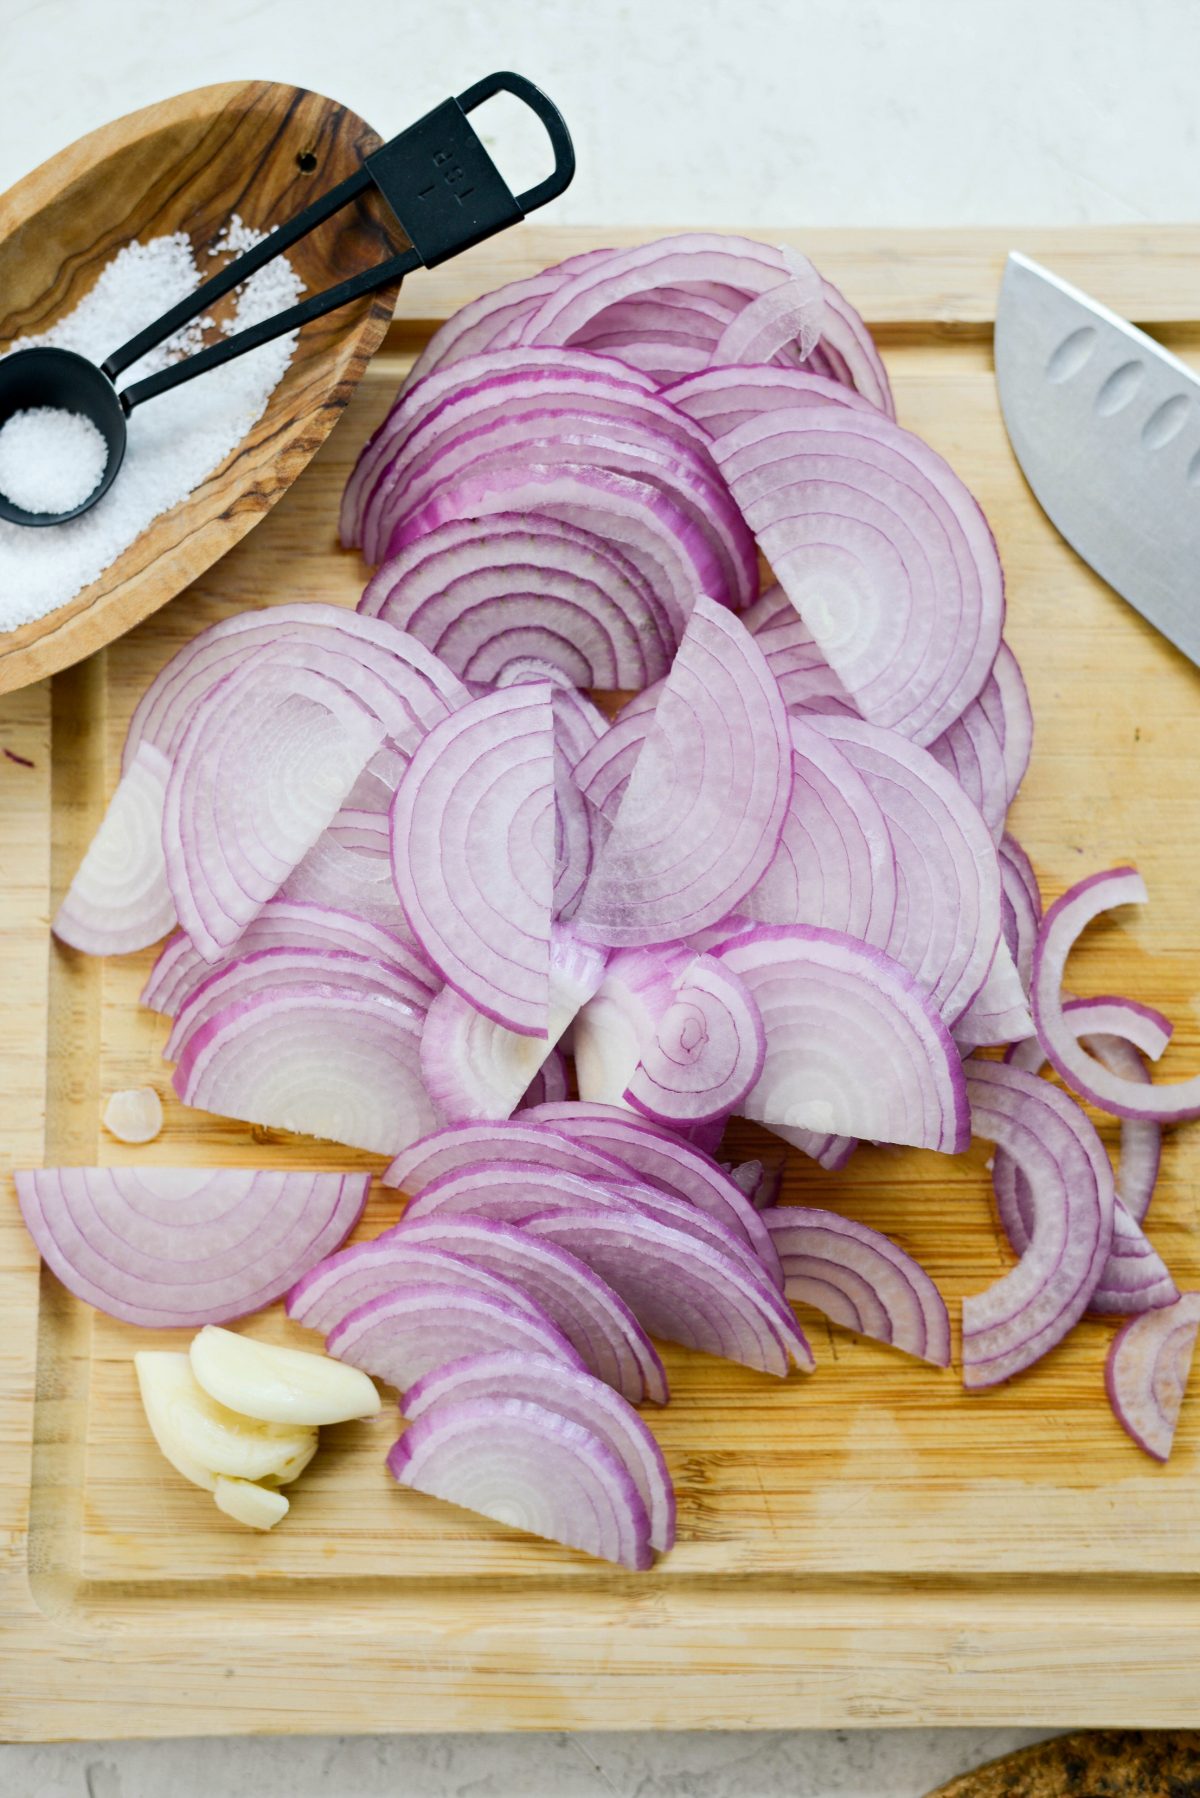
(445, 192)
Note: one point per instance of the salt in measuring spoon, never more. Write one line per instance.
(439, 182)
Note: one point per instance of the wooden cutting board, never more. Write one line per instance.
(866, 1546)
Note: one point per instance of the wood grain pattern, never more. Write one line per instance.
(187, 164)
(870, 1545)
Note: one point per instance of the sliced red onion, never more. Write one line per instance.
(594, 1318)
(1018, 1319)
(459, 393)
(375, 787)
(882, 550)
(265, 970)
(771, 608)
(673, 556)
(862, 1280)
(806, 681)
(835, 865)
(702, 815)
(266, 760)
(654, 1153)
(624, 1013)
(340, 1283)
(854, 1047)
(721, 398)
(998, 1012)
(536, 1379)
(549, 1085)
(349, 868)
(827, 1149)
(578, 726)
(682, 1289)
(761, 1184)
(410, 1330)
(472, 855)
(1015, 726)
(972, 750)
(603, 772)
(1020, 906)
(947, 920)
(478, 325)
(512, 1193)
(532, 1469)
(281, 924)
(408, 688)
(481, 592)
(313, 1060)
(1147, 1371)
(706, 1053)
(585, 416)
(730, 268)
(473, 1068)
(169, 1248)
(790, 314)
(847, 352)
(119, 899)
(523, 1138)
(1121, 1097)
(1134, 1278)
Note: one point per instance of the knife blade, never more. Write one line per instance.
(1105, 424)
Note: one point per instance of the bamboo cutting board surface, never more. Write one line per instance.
(866, 1546)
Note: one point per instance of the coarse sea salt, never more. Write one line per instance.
(176, 440)
(50, 459)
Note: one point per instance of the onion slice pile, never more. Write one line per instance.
(119, 899)
(536, 1379)
(529, 1467)
(1017, 1320)
(1147, 1370)
(860, 1279)
(178, 1247)
(592, 1316)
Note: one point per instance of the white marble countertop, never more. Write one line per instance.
(756, 112)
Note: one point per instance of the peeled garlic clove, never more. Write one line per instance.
(193, 1428)
(256, 1506)
(160, 1377)
(279, 1385)
(134, 1114)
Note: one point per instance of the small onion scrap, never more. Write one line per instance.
(1146, 1374)
(119, 899)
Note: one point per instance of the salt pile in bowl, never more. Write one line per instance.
(50, 460)
(175, 441)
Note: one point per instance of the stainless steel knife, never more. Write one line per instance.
(1106, 426)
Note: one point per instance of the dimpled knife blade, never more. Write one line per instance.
(1106, 426)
